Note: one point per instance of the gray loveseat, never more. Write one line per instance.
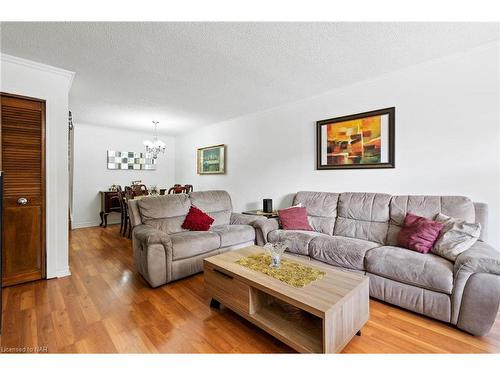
(164, 252)
(358, 231)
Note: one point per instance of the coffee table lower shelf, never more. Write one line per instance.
(298, 329)
(292, 324)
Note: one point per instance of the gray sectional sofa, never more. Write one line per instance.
(353, 231)
(164, 252)
(358, 232)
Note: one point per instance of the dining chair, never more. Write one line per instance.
(129, 192)
(176, 189)
(140, 190)
(124, 222)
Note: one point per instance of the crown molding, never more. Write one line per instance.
(69, 75)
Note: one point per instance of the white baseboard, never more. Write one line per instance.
(93, 223)
(63, 273)
(85, 224)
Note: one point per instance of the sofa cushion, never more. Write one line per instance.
(216, 203)
(427, 206)
(341, 251)
(294, 218)
(321, 209)
(197, 220)
(162, 206)
(164, 212)
(297, 240)
(418, 233)
(234, 234)
(434, 304)
(188, 244)
(456, 237)
(364, 216)
(427, 271)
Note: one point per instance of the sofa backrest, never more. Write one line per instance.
(364, 216)
(216, 203)
(378, 217)
(167, 212)
(427, 206)
(164, 212)
(321, 209)
(481, 210)
(133, 213)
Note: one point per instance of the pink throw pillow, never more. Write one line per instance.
(418, 233)
(294, 218)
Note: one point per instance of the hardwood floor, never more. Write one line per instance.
(105, 307)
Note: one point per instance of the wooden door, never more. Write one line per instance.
(23, 163)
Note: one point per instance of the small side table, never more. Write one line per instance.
(269, 215)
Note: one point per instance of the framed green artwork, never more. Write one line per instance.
(211, 160)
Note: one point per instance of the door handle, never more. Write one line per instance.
(22, 201)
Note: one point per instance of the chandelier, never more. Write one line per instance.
(156, 146)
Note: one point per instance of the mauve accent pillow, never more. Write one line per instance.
(294, 218)
(197, 220)
(418, 233)
(456, 237)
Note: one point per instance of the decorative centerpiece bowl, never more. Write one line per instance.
(154, 190)
(276, 250)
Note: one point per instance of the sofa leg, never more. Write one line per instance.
(358, 333)
(214, 303)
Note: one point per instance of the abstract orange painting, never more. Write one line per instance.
(363, 140)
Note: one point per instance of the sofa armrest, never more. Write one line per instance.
(153, 254)
(476, 289)
(149, 236)
(253, 220)
(267, 226)
(480, 258)
(244, 219)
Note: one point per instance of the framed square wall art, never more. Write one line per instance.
(211, 160)
(360, 141)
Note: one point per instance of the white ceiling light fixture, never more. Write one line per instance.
(155, 146)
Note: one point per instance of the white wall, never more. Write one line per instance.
(447, 138)
(27, 78)
(90, 168)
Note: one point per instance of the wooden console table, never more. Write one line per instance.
(109, 203)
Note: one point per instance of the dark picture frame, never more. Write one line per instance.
(327, 159)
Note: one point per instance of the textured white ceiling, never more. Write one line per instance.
(192, 74)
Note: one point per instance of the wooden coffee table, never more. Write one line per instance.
(321, 317)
